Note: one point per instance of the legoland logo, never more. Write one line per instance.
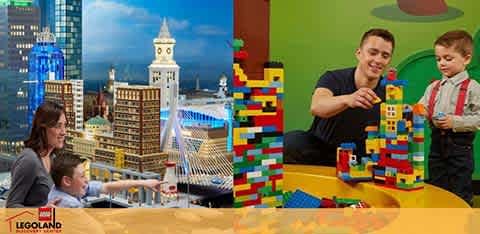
(24, 222)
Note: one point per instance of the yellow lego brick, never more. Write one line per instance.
(257, 83)
(242, 198)
(402, 137)
(238, 95)
(379, 178)
(275, 204)
(377, 100)
(270, 73)
(268, 199)
(279, 183)
(409, 179)
(383, 143)
(265, 99)
(393, 142)
(280, 90)
(241, 187)
(354, 173)
(254, 113)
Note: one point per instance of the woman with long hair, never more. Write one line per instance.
(31, 181)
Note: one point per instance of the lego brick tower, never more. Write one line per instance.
(394, 150)
(258, 137)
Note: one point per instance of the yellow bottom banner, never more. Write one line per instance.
(240, 221)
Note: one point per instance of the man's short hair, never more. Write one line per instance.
(378, 32)
(64, 165)
(461, 41)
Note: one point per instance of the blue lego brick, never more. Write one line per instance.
(391, 135)
(379, 172)
(276, 84)
(300, 199)
(375, 157)
(439, 115)
(400, 156)
(265, 90)
(418, 119)
(385, 82)
(245, 102)
(269, 129)
(247, 136)
(246, 169)
(397, 147)
(401, 126)
(261, 206)
(253, 196)
(420, 153)
(276, 144)
(241, 90)
(418, 125)
(391, 170)
(253, 152)
(348, 146)
(261, 168)
(238, 159)
(260, 179)
(276, 155)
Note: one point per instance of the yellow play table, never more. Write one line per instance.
(322, 182)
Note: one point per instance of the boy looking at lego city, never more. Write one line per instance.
(343, 104)
(71, 183)
(453, 109)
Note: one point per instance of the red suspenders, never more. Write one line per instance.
(460, 100)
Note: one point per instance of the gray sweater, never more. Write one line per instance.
(30, 181)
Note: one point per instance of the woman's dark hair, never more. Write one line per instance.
(46, 116)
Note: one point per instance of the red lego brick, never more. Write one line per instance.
(251, 157)
(254, 106)
(275, 166)
(272, 150)
(253, 202)
(327, 203)
(242, 54)
(275, 177)
(390, 180)
(245, 192)
(255, 186)
(239, 149)
(418, 139)
(402, 142)
(240, 181)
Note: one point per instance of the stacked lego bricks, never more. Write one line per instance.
(394, 150)
(258, 135)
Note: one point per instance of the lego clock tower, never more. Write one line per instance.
(164, 71)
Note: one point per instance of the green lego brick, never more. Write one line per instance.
(242, 198)
(237, 44)
(272, 193)
(237, 204)
(239, 107)
(268, 140)
(394, 102)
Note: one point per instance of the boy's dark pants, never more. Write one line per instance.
(450, 162)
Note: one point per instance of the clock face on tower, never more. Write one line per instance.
(169, 50)
(159, 51)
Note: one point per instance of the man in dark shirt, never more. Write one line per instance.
(343, 104)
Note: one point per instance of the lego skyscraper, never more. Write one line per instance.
(45, 63)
